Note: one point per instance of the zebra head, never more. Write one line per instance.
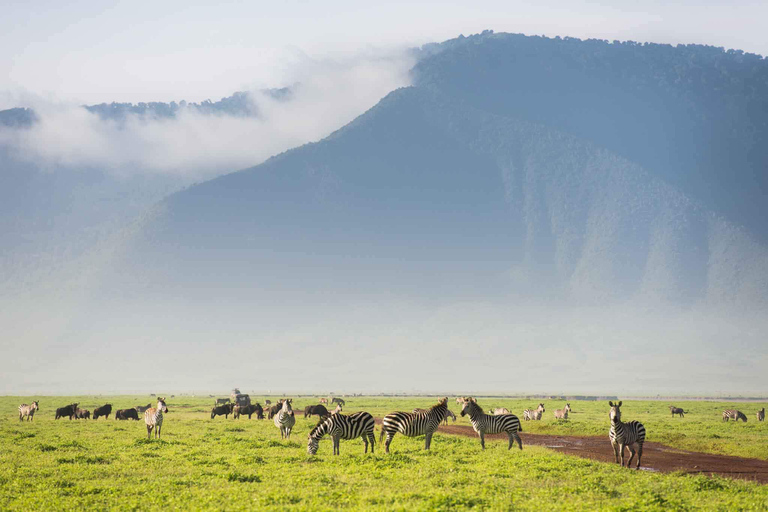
(337, 410)
(615, 411)
(287, 406)
(35, 405)
(161, 405)
(567, 407)
(466, 405)
(541, 408)
(313, 439)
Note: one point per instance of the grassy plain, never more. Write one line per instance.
(242, 464)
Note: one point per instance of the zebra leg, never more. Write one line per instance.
(615, 446)
(372, 439)
(519, 441)
(639, 454)
(149, 432)
(482, 439)
(336, 443)
(621, 449)
(365, 442)
(427, 440)
(389, 440)
(631, 454)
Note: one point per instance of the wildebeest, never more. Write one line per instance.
(249, 410)
(126, 414)
(28, 411)
(760, 414)
(267, 402)
(222, 410)
(317, 410)
(562, 414)
(337, 400)
(676, 410)
(69, 410)
(82, 414)
(141, 408)
(733, 414)
(274, 409)
(104, 410)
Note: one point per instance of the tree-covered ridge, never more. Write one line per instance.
(694, 115)
(17, 117)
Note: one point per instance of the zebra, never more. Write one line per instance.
(414, 424)
(733, 414)
(153, 418)
(534, 414)
(625, 434)
(448, 414)
(491, 423)
(340, 401)
(339, 426)
(498, 411)
(28, 410)
(562, 414)
(285, 420)
(761, 414)
(323, 400)
(676, 410)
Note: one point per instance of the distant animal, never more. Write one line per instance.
(337, 410)
(267, 402)
(625, 434)
(82, 414)
(274, 409)
(492, 423)
(323, 401)
(458, 400)
(761, 414)
(412, 424)
(67, 411)
(337, 400)
(248, 410)
(221, 401)
(284, 419)
(676, 410)
(141, 408)
(28, 411)
(733, 414)
(339, 426)
(153, 418)
(500, 410)
(534, 414)
(448, 414)
(105, 410)
(127, 414)
(222, 410)
(318, 410)
(562, 414)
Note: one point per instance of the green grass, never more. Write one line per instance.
(242, 464)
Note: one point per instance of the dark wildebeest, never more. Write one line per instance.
(267, 402)
(82, 414)
(676, 410)
(761, 414)
(141, 408)
(126, 414)
(104, 410)
(249, 410)
(318, 410)
(66, 411)
(336, 400)
(274, 409)
(222, 410)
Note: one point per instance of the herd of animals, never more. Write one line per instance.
(361, 424)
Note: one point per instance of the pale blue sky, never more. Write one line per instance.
(92, 51)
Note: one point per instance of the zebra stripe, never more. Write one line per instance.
(28, 411)
(733, 414)
(412, 424)
(492, 424)
(285, 420)
(153, 418)
(625, 434)
(339, 426)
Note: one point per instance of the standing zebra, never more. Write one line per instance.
(761, 414)
(339, 426)
(412, 424)
(733, 414)
(534, 414)
(492, 424)
(676, 410)
(29, 410)
(562, 414)
(153, 418)
(285, 420)
(625, 434)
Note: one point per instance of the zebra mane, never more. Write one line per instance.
(442, 403)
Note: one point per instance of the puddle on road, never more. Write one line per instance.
(554, 445)
(652, 470)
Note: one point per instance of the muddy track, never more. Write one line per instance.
(656, 456)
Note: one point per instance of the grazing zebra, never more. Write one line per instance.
(492, 424)
(625, 434)
(336, 400)
(412, 424)
(153, 418)
(448, 413)
(760, 414)
(676, 410)
(339, 426)
(534, 414)
(28, 411)
(562, 414)
(733, 414)
(498, 411)
(285, 420)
